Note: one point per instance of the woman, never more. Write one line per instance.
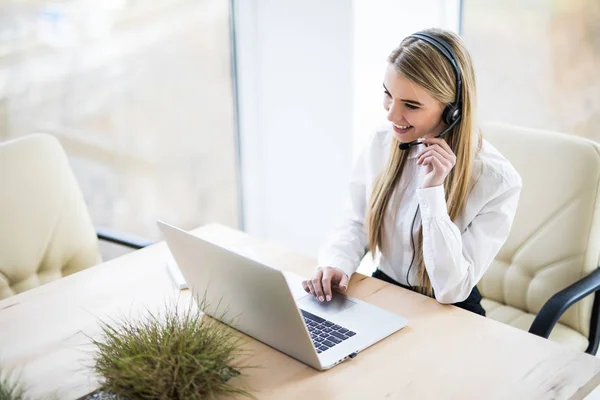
(431, 199)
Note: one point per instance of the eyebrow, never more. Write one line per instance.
(411, 102)
(405, 100)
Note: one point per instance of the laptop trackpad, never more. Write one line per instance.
(337, 304)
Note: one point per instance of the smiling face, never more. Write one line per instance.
(413, 112)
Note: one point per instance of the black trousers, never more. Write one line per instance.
(472, 303)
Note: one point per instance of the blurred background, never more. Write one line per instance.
(250, 112)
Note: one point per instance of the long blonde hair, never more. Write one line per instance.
(424, 65)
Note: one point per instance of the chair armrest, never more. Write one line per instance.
(556, 306)
(121, 238)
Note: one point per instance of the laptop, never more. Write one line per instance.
(271, 306)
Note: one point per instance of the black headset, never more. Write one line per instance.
(452, 113)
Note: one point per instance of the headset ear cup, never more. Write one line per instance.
(451, 112)
(447, 114)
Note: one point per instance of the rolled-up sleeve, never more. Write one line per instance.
(456, 261)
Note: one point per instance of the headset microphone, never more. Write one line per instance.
(407, 145)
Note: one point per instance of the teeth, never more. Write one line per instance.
(402, 126)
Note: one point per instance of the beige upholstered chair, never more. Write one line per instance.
(550, 260)
(45, 229)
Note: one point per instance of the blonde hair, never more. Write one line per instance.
(424, 65)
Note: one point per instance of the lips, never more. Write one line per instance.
(402, 128)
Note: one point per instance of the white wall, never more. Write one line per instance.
(295, 104)
(379, 26)
(309, 87)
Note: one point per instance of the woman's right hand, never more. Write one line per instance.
(323, 280)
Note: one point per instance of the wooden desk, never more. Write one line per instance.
(444, 352)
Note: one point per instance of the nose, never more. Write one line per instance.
(394, 112)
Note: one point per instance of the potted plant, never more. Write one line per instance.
(10, 387)
(178, 354)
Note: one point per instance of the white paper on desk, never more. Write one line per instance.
(176, 275)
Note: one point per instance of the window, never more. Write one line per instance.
(140, 96)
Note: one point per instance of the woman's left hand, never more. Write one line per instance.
(438, 159)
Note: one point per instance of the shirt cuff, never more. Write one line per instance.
(432, 201)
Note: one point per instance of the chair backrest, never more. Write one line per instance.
(555, 238)
(46, 231)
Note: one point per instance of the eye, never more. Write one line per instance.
(388, 94)
(412, 107)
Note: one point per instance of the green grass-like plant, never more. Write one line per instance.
(10, 388)
(178, 354)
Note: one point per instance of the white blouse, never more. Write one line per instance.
(456, 254)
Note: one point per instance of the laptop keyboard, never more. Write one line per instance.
(325, 334)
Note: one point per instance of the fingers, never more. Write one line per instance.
(307, 285)
(440, 142)
(448, 160)
(316, 283)
(430, 151)
(442, 147)
(322, 282)
(326, 282)
(439, 148)
(343, 285)
(435, 162)
(449, 155)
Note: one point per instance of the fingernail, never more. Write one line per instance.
(328, 297)
(321, 298)
(343, 288)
